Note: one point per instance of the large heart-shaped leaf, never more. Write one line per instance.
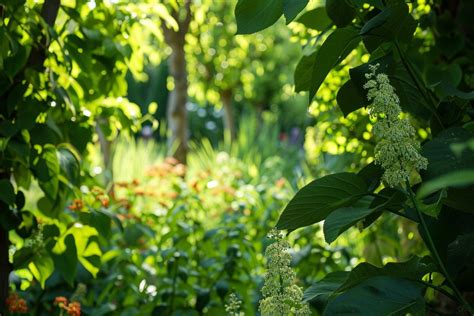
(313, 69)
(379, 296)
(315, 201)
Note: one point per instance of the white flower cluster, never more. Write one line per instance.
(281, 295)
(233, 306)
(397, 151)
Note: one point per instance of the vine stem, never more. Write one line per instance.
(435, 253)
(419, 85)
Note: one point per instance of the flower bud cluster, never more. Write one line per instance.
(397, 150)
(281, 295)
(16, 304)
(233, 306)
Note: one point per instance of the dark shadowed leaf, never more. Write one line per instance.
(255, 15)
(324, 288)
(343, 218)
(349, 98)
(315, 19)
(393, 23)
(318, 199)
(450, 151)
(341, 12)
(413, 269)
(379, 296)
(291, 8)
(313, 69)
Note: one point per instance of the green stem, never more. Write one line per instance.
(439, 289)
(435, 253)
(173, 293)
(419, 86)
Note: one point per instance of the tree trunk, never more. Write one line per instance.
(228, 117)
(176, 114)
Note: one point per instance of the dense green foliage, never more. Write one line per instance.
(375, 212)
(427, 76)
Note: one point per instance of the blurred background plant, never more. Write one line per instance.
(147, 150)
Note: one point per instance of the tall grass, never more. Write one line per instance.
(256, 148)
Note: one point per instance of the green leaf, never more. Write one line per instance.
(393, 23)
(7, 192)
(66, 260)
(413, 269)
(315, 201)
(14, 63)
(23, 257)
(324, 288)
(69, 164)
(41, 267)
(343, 218)
(461, 261)
(446, 90)
(331, 53)
(451, 150)
(47, 171)
(341, 12)
(379, 296)
(443, 74)
(303, 72)
(315, 19)
(451, 179)
(349, 98)
(255, 15)
(291, 8)
(372, 175)
(313, 69)
(88, 250)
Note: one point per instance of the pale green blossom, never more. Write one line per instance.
(281, 295)
(397, 150)
(233, 306)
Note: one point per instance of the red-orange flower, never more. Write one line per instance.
(15, 304)
(76, 205)
(60, 301)
(74, 309)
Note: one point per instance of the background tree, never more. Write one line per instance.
(177, 120)
(227, 70)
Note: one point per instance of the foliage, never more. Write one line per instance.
(409, 42)
(62, 77)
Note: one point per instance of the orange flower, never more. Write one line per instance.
(76, 205)
(60, 301)
(16, 304)
(104, 201)
(74, 309)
